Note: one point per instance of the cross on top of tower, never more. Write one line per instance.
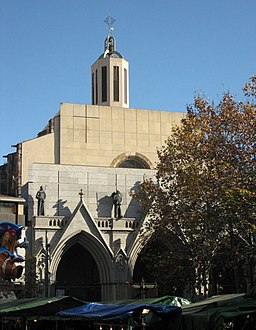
(109, 46)
(110, 22)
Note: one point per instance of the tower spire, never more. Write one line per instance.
(110, 43)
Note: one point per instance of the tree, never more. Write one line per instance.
(205, 190)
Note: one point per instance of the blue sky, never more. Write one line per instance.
(175, 49)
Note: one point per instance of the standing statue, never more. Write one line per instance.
(117, 200)
(40, 196)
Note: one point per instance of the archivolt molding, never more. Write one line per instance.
(129, 155)
(134, 255)
(93, 246)
(136, 250)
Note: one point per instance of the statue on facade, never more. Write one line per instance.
(117, 200)
(40, 196)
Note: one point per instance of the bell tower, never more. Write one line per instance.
(110, 74)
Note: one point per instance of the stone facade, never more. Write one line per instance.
(84, 152)
(79, 206)
(93, 135)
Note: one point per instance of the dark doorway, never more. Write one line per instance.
(78, 275)
(165, 261)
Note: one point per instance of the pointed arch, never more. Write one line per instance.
(94, 247)
(98, 252)
(135, 251)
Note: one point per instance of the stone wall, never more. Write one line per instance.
(62, 184)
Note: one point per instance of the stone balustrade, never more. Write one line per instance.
(58, 222)
(123, 224)
(49, 222)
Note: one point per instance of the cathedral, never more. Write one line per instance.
(77, 177)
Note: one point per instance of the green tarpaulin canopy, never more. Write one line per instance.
(38, 306)
(215, 312)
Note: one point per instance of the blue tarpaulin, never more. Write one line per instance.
(106, 312)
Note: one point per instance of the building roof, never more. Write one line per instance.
(7, 198)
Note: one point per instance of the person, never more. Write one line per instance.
(117, 200)
(40, 196)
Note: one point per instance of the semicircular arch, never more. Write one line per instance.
(135, 160)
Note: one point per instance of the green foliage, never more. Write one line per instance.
(205, 191)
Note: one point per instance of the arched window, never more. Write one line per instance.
(132, 162)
